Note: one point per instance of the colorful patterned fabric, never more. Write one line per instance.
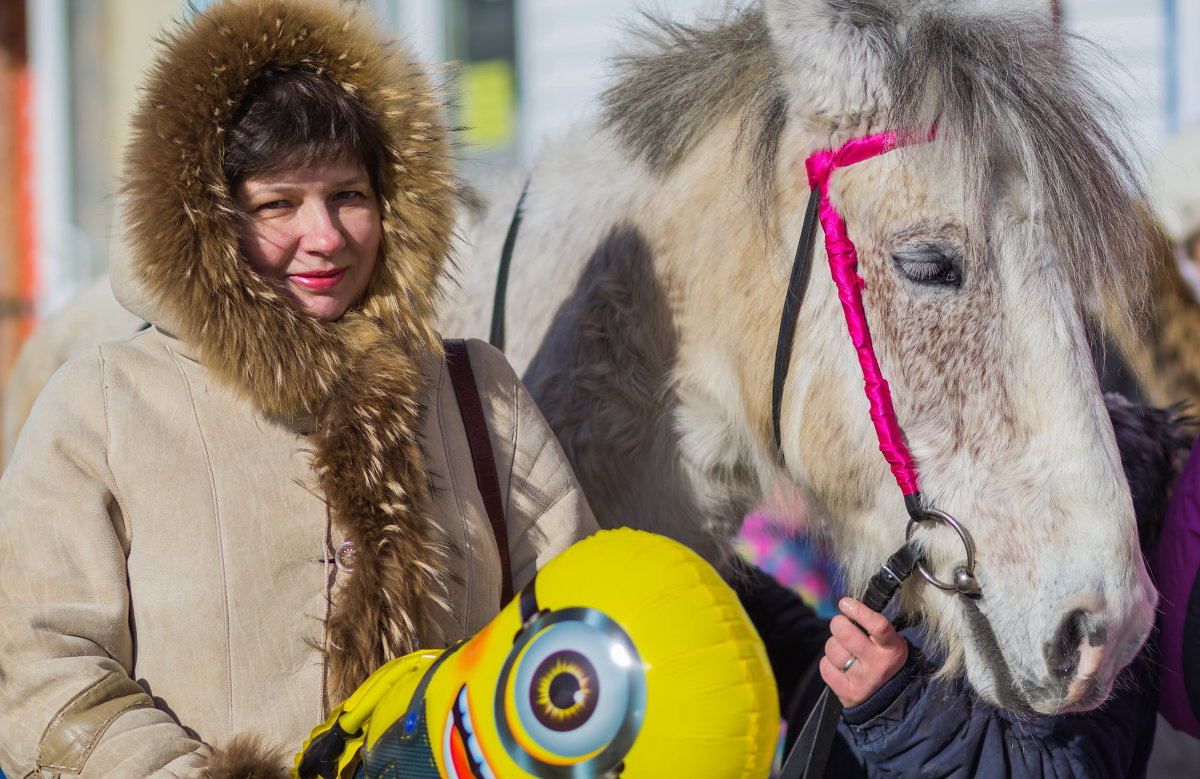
(787, 553)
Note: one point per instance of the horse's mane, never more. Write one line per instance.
(1005, 89)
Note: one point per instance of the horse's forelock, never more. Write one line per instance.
(1008, 91)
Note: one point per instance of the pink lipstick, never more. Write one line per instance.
(319, 279)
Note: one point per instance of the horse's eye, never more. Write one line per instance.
(930, 265)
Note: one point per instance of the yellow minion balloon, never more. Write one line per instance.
(626, 657)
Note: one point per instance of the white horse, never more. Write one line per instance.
(650, 270)
(649, 275)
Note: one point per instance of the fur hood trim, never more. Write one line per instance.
(246, 757)
(358, 377)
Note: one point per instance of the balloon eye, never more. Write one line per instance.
(564, 691)
(572, 692)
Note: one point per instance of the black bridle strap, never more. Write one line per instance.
(810, 752)
(791, 310)
(496, 338)
(890, 576)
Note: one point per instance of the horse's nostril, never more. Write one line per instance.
(1062, 653)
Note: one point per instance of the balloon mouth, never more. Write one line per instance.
(461, 750)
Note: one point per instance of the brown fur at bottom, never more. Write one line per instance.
(246, 757)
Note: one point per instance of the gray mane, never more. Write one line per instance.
(1007, 91)
(685, 80)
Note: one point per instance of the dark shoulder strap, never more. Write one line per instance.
(482, 456)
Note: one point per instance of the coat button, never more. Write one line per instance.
(344, 557)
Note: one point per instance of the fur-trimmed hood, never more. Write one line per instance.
(357, 377)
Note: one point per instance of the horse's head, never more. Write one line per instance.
(978, 252)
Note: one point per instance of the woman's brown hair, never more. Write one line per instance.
(297, 117)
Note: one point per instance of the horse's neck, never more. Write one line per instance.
(614, 299)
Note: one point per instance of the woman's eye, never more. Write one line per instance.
(348, 195)
(272, 205)
(929, 265)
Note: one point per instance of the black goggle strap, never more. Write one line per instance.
(527, 602)
(797, 285)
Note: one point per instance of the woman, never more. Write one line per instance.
(225, 523)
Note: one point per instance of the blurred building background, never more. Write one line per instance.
(524, 71)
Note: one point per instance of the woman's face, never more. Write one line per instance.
(315, 230)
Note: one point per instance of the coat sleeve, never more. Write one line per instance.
(68, 701)
(922, 727)
(545, 510)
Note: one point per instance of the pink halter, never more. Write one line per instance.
(843, 263)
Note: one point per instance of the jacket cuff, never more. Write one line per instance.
(886, 695)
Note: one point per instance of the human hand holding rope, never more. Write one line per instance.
(860, 658)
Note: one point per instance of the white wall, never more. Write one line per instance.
(1186, 32)
(562, 52)
(421, 22)
(563, 49)
(1136, 35)
(57, 239)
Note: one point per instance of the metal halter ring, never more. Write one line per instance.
(964, 576)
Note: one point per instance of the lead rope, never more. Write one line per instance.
(810, 751)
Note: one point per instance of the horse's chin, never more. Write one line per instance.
(1035, 698)
(1084, 694)
(1092, 693)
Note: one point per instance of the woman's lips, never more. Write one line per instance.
(323, 279)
